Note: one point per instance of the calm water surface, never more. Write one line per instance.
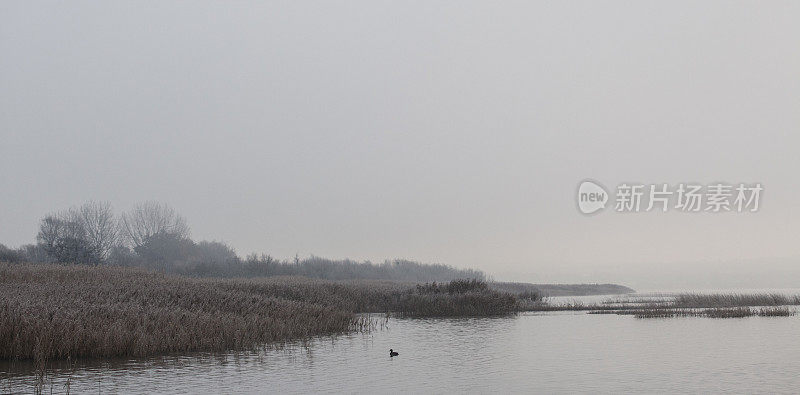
(542, 353)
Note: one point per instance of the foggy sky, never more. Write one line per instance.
(452, 132)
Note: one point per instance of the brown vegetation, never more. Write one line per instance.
(734, 300)
(54, 312)
(57, 311)
(686, 304)
(456, 298)
(781, 311)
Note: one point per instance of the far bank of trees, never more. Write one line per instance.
(153, 235)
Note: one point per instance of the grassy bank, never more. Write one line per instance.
(55, 311)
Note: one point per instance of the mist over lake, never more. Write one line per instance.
(451, 196)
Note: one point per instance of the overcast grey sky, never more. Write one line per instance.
(451, 132)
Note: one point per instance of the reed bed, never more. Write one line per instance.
(658, 313)
(56, 312)
(781, 311)
(725, 312)
(457, 298)
(728, 312)
(685, 305)
(734, 300)
(454, 298)
(53, 312)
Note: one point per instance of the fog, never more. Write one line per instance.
(451, 132)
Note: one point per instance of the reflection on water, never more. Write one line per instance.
(562, 352)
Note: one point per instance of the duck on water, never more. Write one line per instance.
(393, 353)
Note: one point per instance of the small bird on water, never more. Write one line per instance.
(392, 353)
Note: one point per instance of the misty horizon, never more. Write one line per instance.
(373, 131)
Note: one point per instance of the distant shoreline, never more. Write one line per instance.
(547, 290)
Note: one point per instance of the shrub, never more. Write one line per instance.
(9, 255)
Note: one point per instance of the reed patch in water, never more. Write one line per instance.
(685, 305)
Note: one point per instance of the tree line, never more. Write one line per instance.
(154, 236)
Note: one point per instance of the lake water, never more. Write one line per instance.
(561, 352)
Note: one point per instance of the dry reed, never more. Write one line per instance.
(55, 312)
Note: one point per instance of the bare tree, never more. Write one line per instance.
(50, 230)
(63, 238)
(151, 218)
(99, 226)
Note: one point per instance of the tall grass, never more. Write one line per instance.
(323, 268)
(55, 312)
(51, 312)
(734, 300)
(686, 304)
(728, 312)
(781, 311)
(456, 298)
